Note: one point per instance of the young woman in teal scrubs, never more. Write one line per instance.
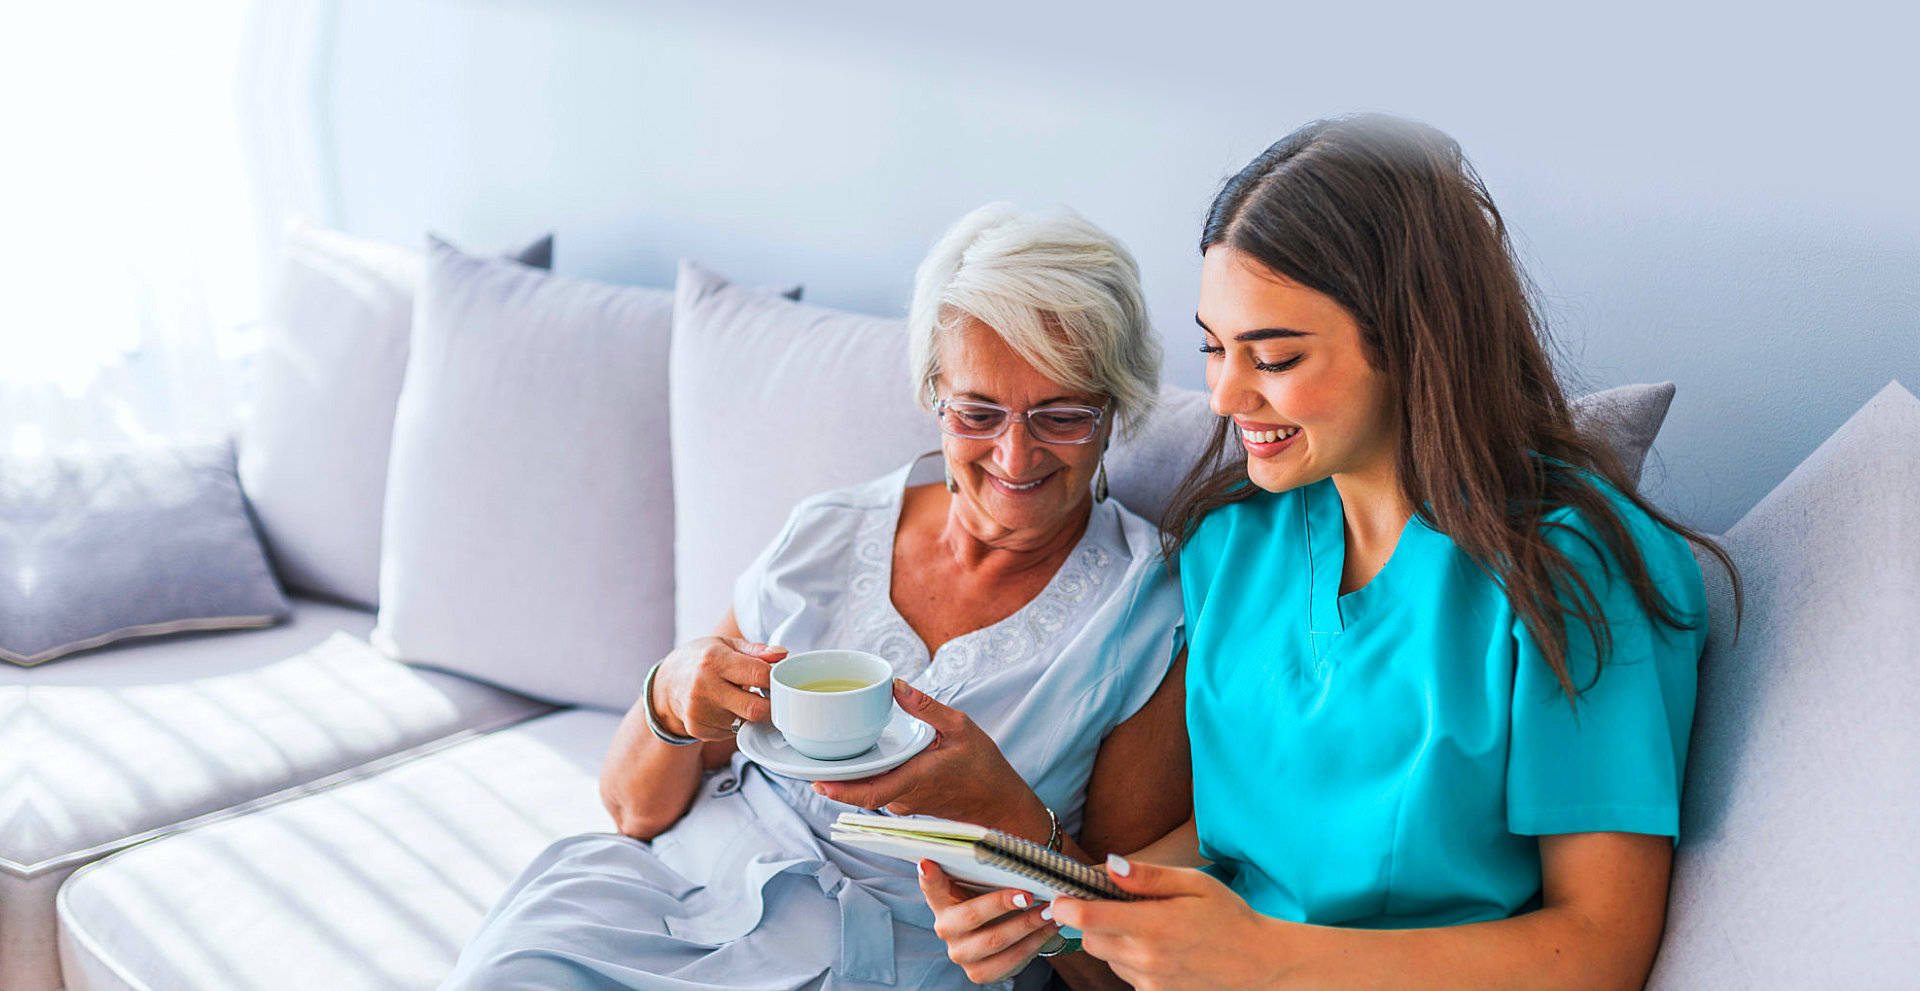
(1441, 657)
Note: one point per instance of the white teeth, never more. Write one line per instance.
(1021, 488)
(1268, 436)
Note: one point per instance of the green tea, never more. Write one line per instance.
(833, 685)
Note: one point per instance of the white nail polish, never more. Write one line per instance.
(1047, 913)
(1020, 900)
(1118, 866)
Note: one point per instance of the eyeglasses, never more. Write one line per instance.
(1046, 424)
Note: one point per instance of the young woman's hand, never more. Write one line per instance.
(992, 936)
(961, 775)
(1191, 932)
(703, 686)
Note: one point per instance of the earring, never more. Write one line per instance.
(952, 486)
(1100, 482)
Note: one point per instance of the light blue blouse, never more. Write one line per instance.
(747, 891)
(1387, 758)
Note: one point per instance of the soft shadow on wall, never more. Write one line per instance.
(1691, 210)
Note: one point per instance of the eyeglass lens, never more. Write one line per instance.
(1053, 424)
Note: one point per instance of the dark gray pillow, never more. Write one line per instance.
(136, 543)
(1627, 418)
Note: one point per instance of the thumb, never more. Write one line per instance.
(1153, 880)
(926, 708)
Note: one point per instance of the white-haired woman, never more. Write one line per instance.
(1029, 619)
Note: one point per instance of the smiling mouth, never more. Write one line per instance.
(1267, 436)
(1007, 486)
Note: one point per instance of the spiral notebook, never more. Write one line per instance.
(976, 855)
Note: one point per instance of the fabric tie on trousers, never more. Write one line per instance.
(866, 928)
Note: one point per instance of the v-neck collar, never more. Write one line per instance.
(1326, 529)
(1082, 571)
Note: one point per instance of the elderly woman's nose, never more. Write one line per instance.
(1016, 450)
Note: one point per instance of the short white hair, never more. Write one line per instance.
(1064, 294)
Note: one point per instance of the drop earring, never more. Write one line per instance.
(1100, 481)
(947, 469)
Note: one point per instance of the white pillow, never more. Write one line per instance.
(313, 454)
(529, 513)
(773, 401)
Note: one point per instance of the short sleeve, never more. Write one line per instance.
(1613, 762)
(758, 605)
(1199, 561)
(1154, 632)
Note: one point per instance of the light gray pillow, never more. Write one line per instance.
(102, 548)
(773, 401)
(313, 452)
(1627, 418)
(528, 533)
(1145, 466)
(1796, 867)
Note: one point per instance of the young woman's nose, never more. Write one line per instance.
(1229, 391)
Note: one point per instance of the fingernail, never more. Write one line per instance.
(1020, 900)
(923, 868)
(1047, 913)
(1118, 865)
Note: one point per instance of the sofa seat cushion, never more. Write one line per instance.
(1795, 868)
(373, 884)
(87, 769)
(100, 766)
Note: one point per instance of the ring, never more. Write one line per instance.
(737, 723)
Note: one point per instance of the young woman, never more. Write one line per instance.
(1441, 657)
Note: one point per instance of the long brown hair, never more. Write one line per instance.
(1386, 217)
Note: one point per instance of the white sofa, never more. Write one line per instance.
(291, 808)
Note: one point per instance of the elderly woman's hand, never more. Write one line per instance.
(961, 775)
(704, 685)
(992, 936)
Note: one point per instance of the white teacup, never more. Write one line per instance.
(832, 704)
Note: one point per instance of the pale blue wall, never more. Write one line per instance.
(1725, 199)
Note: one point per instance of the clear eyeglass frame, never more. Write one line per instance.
(1094, 416)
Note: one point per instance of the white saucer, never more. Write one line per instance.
(903, 737)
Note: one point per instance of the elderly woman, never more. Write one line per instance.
(1028, 617)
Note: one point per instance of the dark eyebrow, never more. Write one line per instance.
(1264, 334)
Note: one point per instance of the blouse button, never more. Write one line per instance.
(726, 786)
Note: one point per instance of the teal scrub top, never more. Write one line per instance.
(1387, 758)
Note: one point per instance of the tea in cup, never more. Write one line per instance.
(832, 704)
